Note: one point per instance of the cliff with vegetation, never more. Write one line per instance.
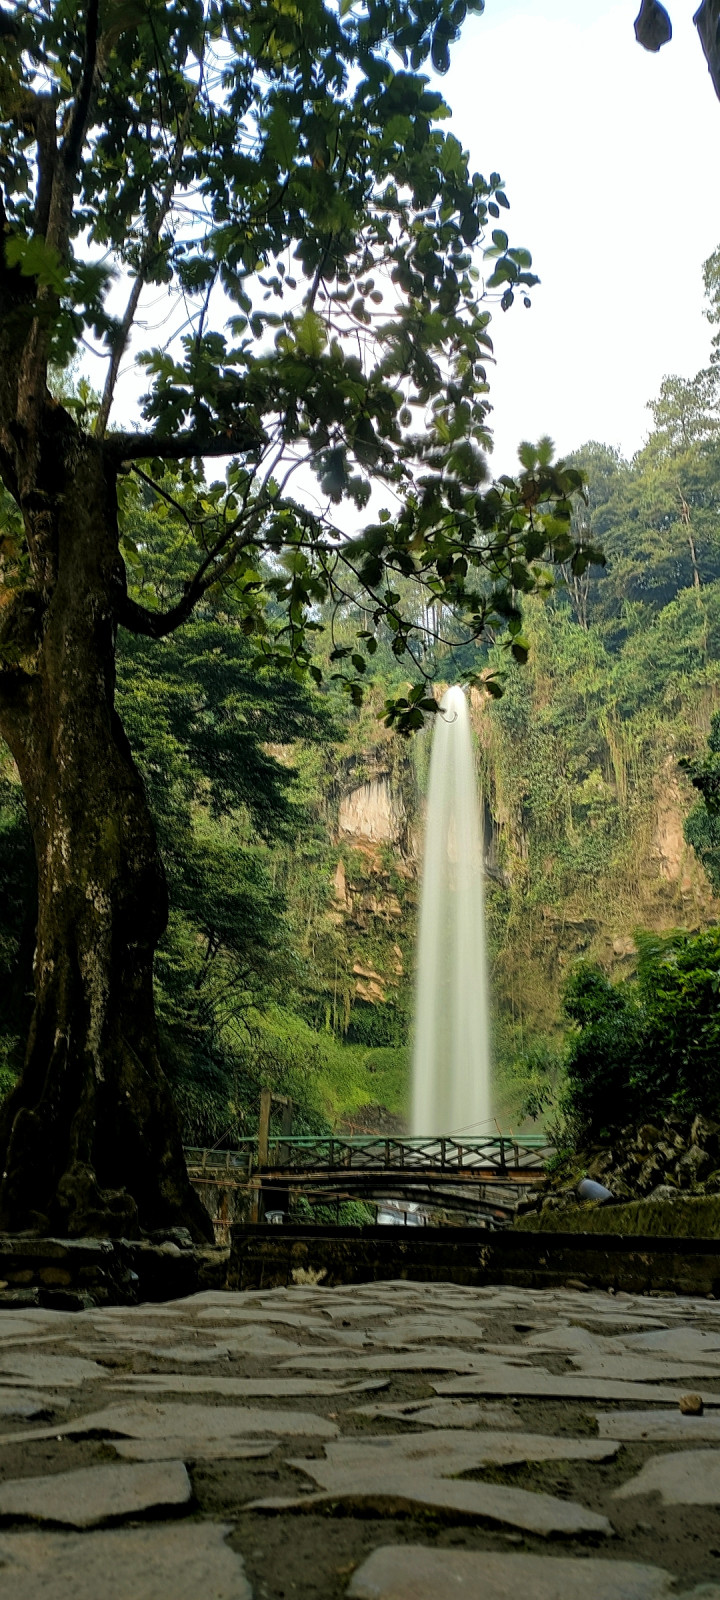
(291, 818)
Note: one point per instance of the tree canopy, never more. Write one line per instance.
(282, 177)
(648, 1046)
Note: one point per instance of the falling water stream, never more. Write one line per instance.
(451, 1061)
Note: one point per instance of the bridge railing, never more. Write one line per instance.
(294, 1153)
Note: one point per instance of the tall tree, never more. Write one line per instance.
(279, 174)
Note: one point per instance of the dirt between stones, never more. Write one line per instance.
(312, 1555)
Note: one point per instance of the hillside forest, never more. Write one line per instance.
(290, 820)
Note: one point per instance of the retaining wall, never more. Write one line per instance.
(267, 1257)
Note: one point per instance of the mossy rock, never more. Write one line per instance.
(688, 1217)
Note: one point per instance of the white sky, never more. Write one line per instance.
(610, 156)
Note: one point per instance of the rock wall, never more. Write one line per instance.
(373, 812)
(374, 882)
(549, 904)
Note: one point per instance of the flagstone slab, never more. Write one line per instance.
(136, 1336)
(14, 1326)
(684, 1478)
(92, 1495)
(564, 1338)
(400, 1489)
(149, 1311)
(49, 1371)
(539, 1384)
(584, 1316)
(448, 1452)
(185, 1353)
(216, 1297)
(443, 1413)
(425, 1360)
(27, 1403)
(414, 1572)
(641, 1368)
(251, 1316)
(360, 1311)
(684, 1344)
(252, 1341)
(145, 1419)
(188, 1447)
(39, 1318)
(281, 1388)
(666, 1427)
(340, 1339)
(413, 1329)
(171, 1562)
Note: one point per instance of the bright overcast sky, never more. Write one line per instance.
(610, 160)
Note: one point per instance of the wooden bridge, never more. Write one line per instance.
(484, 1175)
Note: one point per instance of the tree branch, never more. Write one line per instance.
(155, 624)
(120, 447)
(120, 344)
(60, 212)
(158, 624)
(46, 135)
(73, 141)
(55, 204)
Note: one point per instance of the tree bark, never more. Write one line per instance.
(89, 1139)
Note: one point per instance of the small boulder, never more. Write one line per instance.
(651, 1173)
(664, 1191)
(693, 1167)
(691, 1405)
(706, 1135)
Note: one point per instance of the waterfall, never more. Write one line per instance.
(451, 1060)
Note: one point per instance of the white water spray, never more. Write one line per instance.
(451, 1061)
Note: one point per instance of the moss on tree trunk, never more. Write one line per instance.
(89, 1139)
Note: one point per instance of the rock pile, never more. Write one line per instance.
(645, 1163)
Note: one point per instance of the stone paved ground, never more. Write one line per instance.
(393, 1441)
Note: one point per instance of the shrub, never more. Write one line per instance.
(650, 1045)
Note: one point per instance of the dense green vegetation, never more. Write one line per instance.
(590, 756)
(252, 975)
(582, 763)
(648, 1047)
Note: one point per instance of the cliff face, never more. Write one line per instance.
(576, 881)
(374, 889)
(576, 861)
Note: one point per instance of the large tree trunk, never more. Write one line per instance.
(89, 1139)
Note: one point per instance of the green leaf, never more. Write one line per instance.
(311, 334)
(36, 259)
(281, 138)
